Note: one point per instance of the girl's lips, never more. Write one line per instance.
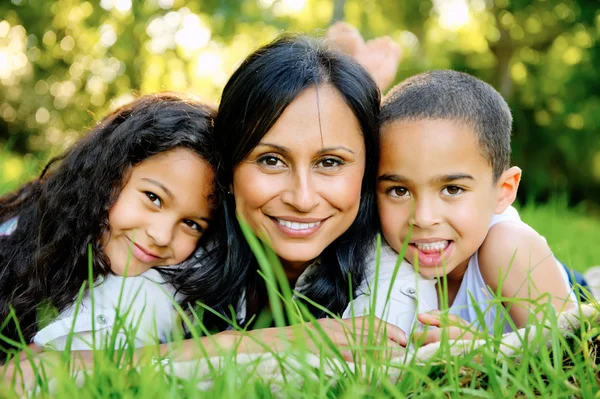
(141, 254)
(431, 258)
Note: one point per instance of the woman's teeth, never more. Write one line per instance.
(436, 246)
(297, 225)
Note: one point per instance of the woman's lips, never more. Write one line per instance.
(298, 228)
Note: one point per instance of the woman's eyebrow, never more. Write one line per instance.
(285, 150)
(275, 146)
(341, 147)
(160, 185)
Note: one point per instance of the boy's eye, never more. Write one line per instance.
(330, 163)
(270, 161)
(193, 225)
(155, 199)
(452, 190)
(398, 192)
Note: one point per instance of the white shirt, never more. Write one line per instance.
(399, 298)
(141, 305)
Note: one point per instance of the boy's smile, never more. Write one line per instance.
(436, 190)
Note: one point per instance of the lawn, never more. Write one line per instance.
(569, 367)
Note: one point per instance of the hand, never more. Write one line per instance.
(448, 326)
(381, 58)
(345, 37)
(22, 371)
(349, 336)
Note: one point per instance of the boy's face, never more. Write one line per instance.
(433, 176)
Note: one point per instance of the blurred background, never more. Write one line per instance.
(65, 63)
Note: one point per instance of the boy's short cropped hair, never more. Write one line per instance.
(458, 97)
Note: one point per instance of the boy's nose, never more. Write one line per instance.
(301, 193)
(425, 214)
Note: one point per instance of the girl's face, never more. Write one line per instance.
(160, 214)
(299, 188)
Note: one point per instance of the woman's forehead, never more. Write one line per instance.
(317, 117)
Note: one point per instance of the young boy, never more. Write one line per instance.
(445, 185)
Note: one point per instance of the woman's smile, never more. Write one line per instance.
(298, 227)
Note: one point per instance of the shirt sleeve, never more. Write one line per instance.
(134, 311)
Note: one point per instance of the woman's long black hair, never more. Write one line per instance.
(66, 209)
(254, 98)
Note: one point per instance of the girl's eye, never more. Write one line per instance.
(270, 161)
(398, 192)
(330, 163)
(155, 199)
(452, 190)
(193, 225)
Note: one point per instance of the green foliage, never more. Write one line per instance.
(63, 64)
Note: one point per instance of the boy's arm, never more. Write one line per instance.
(516, 257)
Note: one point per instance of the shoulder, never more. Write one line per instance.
(509, 238)
(512, 248)
(143, 304)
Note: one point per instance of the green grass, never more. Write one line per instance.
(571, 233)
(569, 368)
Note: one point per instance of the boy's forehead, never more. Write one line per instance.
(430, 144)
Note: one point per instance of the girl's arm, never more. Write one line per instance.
(347, 335)
(517, 258)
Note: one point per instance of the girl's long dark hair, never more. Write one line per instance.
(252, 101)
(65, 210)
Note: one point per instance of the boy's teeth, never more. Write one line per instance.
(296, 225)
(432, 246)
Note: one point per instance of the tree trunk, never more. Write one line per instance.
(338, 11)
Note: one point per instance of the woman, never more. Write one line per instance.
(297, 129)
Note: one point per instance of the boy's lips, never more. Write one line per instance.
(431, 252)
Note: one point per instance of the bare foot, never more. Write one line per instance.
(345, 38)
(381, 58)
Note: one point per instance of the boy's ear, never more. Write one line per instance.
(508, 185)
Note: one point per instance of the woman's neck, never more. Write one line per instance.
(293, 270)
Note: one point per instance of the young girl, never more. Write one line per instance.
(136, 193)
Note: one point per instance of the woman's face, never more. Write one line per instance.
(299, 189)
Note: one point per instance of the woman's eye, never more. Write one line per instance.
(193, 225)
(155, 199)
(399, 192)
(330, 163)
(270, 160)
(452, 190)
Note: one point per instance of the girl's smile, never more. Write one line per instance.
(160, 214)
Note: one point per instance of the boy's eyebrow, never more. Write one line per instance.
(393, 178)
(159, 184)
(436, 179)
(285, 150)
(451, 177)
